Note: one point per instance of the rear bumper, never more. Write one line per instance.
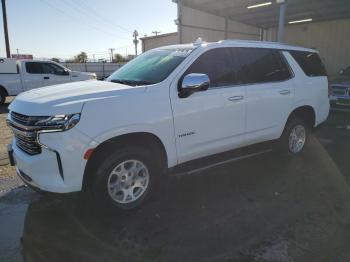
(340, 102)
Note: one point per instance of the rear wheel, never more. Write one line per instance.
(125, 179)
(295, 136)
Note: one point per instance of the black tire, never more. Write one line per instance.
(284, 143)
(2, 96)
(99, 188)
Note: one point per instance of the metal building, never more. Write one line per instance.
(320, 24)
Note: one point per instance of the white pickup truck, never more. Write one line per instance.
(17, 76)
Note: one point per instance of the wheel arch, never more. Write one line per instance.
(2, 88)
(144, 139)
(305, 112)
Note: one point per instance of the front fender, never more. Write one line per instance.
(141, 128)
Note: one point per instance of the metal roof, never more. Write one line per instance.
(267, 16)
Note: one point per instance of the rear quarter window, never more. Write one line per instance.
(34, 68)
(309, 62)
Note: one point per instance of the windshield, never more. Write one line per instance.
(150, 68)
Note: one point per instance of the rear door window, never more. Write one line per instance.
(259, 65)
(237, 66)
(309, 62)
(34, 68)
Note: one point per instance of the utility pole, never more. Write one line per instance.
(155, 32)
(135, 35)
(111, 50)
(4, 17)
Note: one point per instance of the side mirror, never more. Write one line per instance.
(193, 83)
(341, 72)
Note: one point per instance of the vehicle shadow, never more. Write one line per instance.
(234, 212)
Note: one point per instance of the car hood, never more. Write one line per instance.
(83, 73)
(67, 98)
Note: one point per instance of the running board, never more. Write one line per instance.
(201, 169)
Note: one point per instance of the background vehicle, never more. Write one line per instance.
(23, 75)
(168, 110)
(340, 97)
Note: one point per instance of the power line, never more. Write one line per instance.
(69, 15)
(83, 5)
(79, 9)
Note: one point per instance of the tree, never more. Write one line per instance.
(118, 58)
(57, 60)
(81, 58)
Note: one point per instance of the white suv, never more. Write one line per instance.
(164, 109)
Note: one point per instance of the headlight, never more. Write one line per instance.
(59, 122)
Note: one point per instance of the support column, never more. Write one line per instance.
(179, 21)
(281, 19)
(261, 33)
(226, 27)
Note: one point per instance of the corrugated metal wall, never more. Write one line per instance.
(330, 38)
(212, 28)
(160, 40)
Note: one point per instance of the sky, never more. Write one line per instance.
(63, 28)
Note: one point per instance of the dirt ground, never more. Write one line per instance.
(270, 208)
(8, 178)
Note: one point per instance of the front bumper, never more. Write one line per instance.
(59, 168)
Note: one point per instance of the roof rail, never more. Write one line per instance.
(275, 44)
(251, 41)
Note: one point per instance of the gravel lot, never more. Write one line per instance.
(8, 178)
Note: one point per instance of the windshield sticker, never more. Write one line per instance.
(181, 52)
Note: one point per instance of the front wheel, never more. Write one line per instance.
(124, 179)
(295, 136)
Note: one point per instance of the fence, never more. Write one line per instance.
(101, 69)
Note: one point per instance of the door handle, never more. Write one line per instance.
(46, 77)
(235, 98)
(285, 92)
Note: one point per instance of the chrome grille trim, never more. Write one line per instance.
(340, 91)
(25, 132)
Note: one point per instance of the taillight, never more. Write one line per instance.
(329, 88)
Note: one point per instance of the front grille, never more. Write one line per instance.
(28, 144)
(25, 132)
(340, 91)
